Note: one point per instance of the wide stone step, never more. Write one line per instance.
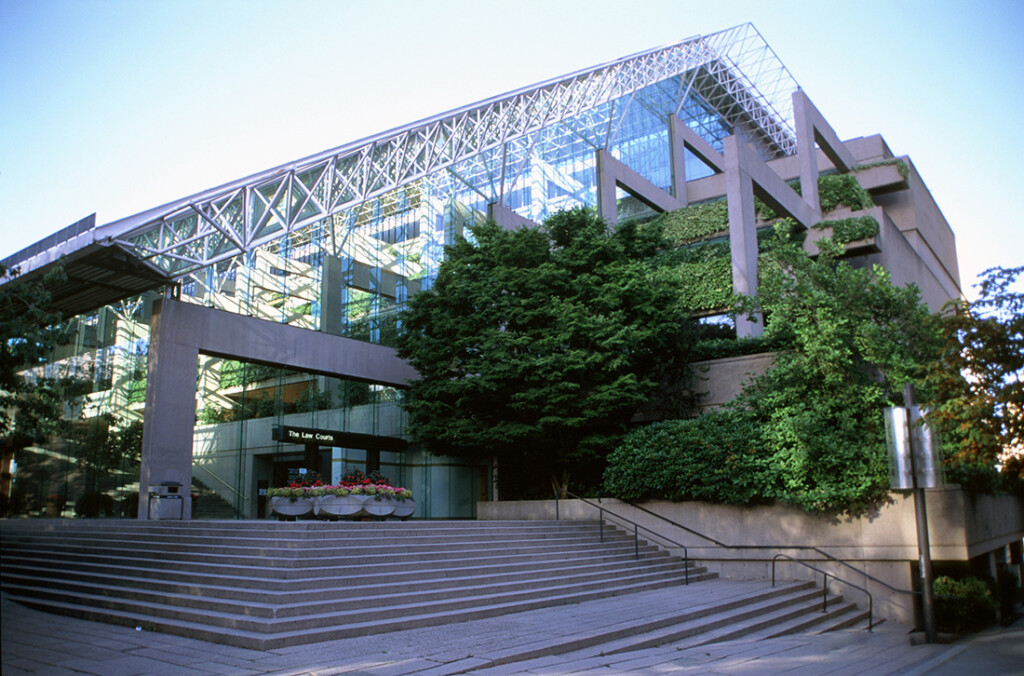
(296, 530)
(303, 539)
(376, 594)
(283, 557)
(375, 563)
(269, 584)
(398, 573)
(270, 634)
(231, 587)
(795, 604)
(356, 607)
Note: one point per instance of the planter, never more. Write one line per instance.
(404, 508)
(337, 506)
(291, 508)
(379, 507)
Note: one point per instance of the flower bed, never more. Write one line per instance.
(356, 496)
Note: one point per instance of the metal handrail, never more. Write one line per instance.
(812, 548)
(636, 533)
(824, 589)
(723, 545)
(224, 483)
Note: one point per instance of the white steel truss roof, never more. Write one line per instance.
(202, 229)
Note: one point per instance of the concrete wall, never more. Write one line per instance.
(882, 544)
(719, 381)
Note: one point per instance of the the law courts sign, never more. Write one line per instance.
(309, 436)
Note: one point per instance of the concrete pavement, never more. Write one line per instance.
(34, 642)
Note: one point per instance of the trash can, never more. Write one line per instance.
(166, 501)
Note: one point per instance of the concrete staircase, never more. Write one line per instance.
(265, 585)
(208, 504)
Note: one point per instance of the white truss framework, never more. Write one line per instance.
(735, 71)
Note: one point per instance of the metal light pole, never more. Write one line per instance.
(921, 514)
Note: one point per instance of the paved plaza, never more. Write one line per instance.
(34, 642)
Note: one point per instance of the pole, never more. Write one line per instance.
(923, 545)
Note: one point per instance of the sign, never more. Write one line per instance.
(913, 450)
(309, 436)
(300, 435)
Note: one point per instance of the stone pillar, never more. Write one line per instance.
(739, 191)
(170, 405)
(331, 282)
(607, 204)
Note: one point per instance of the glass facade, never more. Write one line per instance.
(349, 274)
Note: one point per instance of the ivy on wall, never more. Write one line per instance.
(847, 340)
(704, 265)
(853, 229)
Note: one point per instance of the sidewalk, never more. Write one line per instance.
(40, 643)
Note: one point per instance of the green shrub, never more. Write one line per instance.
(853, 229)
(842, 190)
(722, 348)
(714, 458)
(963, 605)
(695, 221)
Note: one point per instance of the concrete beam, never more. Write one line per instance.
(768, 185)
(181, 331)
(811, 126)
(507, 218)
(682, 138)
(612, 173)
(739, 193)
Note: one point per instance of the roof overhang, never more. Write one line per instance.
(98, 273)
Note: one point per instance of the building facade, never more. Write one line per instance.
(230, 323)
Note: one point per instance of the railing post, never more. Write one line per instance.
(636, 543)
(601, 517)
(824, 594)
(556, 507)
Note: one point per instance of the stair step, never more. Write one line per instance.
(268, 584)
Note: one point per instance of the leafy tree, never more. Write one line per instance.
(538, 346)
(847, 341)
(30, 408)
(855, 339)
(977, 387)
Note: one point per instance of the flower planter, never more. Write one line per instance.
(379, 507)
(338, 506)
(291, 508)
(404, 508)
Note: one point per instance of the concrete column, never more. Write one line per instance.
(607, 205)
(331, 295)
(807, 156)
(677, 157)
(739, 191)
(170, 405)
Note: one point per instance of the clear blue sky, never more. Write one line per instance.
(115, 106)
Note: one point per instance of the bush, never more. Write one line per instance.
(714, 458)
(963, 605)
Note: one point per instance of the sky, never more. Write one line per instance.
(117, 106)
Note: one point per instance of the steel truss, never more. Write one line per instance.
(735, 71)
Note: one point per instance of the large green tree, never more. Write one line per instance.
(854, 340)
(537, 346)
(810, 431)
(977, 387)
